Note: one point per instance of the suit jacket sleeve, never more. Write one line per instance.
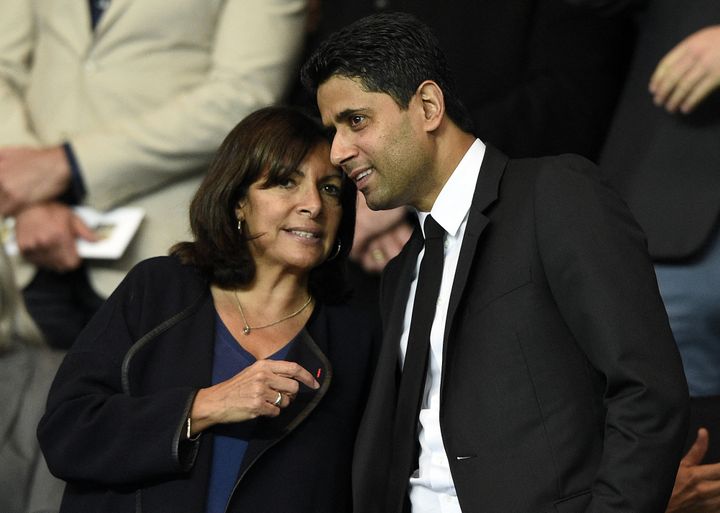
(604, 284)
(95, 432)
(16, 34)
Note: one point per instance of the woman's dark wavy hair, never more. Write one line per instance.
(274, 140)
(391, 53)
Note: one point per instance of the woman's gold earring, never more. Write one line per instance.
(240, 226)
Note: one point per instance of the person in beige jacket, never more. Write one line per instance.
(122, 102)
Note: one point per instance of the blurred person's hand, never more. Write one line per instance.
(46, 235)
(31, 175)
(689, 72)
(384, 247)
(379, 235)
(697, 487)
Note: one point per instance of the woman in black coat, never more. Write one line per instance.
(231, 375)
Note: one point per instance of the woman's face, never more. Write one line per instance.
(292, 226)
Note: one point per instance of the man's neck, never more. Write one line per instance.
(452, 145)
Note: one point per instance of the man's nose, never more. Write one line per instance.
(341, 150)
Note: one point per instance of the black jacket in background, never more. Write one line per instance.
(667, 166)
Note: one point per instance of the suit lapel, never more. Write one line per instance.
(486, 193)
(396, 287)
(394, 291)
(116, 9)
(401, 272)
(374, 443)
(373, 446)
(70, 20)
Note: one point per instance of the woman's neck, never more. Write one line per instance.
(264, 315)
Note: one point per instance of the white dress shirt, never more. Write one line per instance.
(431, 486)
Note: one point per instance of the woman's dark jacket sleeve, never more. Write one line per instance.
(93, 430)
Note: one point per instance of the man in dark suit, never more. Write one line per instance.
(551, 379)
(549, 86)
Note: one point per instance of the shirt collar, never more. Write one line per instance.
(453, 202)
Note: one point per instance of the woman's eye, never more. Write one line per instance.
(331, 189)
(287, 183)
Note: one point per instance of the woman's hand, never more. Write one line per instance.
(262, 389)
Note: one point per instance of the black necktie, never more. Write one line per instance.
(412, 382)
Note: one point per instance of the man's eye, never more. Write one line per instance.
(356, 120)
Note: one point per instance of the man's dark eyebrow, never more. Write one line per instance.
(341, 116)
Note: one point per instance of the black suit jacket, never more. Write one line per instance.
(562, 389)
(667, 166)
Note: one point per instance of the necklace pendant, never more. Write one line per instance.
(246, 330)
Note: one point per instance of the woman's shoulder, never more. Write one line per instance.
(166, 270)
(164, 265)
(163, 280)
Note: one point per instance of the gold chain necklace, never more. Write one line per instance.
(247, 328)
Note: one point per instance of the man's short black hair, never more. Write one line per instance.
(390, 53)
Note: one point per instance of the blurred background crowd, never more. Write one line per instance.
(111, 103)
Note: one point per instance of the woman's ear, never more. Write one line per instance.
(433, 104)
(239, 214)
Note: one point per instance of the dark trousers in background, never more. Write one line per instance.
(61, 304)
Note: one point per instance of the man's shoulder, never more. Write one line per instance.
(555, 164)
(393, 267)
(558, 172)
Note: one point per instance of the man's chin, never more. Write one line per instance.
(375, 203)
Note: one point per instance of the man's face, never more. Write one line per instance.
(381, 147)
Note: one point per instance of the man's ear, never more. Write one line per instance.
(433, 104)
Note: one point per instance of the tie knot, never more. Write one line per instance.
(432, 229)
